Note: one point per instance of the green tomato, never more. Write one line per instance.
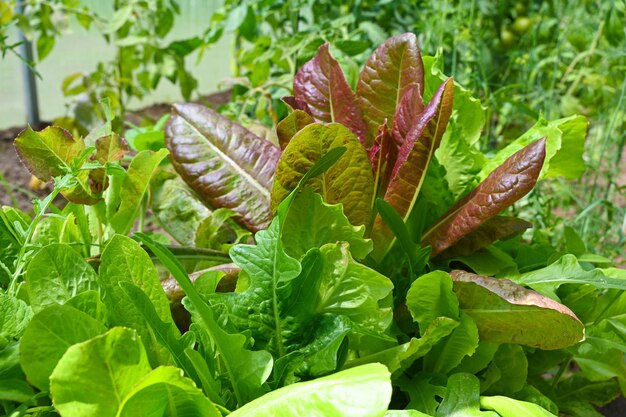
(507, 38)
(522, 25)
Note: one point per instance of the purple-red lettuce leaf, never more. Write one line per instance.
(410, 107)
(349, 181)
(504, 186)
(226, 164)
(296, 104)
(505, 312)
(392, 70)
(321, 84)
(413, 159)
(497, 228)
(290, 125)
(379, 155)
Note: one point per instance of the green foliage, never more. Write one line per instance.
(321, 315)
(145, 54)
(365, 391)
(47, 337)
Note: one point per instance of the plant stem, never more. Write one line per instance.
(561, 370)
(20, 263)
(9, 189)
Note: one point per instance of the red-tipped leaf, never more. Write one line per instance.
(505, 312)
(497, 228)
(410, 107)
(392, 70)
(296, 104)
(379, 158)
(410, 167)
(226, 164)
(290, 125)
(504, 186)
(321, 84)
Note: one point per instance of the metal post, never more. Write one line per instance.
(28, 75)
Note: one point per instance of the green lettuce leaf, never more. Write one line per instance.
(56, 274)
(349, 181)
(247, 370)
(405, 413)
(565, 140)
(177, 208)
(165, 391)
(508, 371)
(110, 365)
(47, 338)
(133, 187)
(13, 384)
(450, 351)
(399, 358)
(422, 392)
(311, 223)
(430, 297)
(462, 398)
(13, 226)
(15, 315)
(123, 260)
(168, 336)
(509, 407)
(567, 270)
(89, 302)
(458, 152)
(283, 308)
(509, 313)
(364, 391)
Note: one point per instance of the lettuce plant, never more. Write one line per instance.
(391, 136)
(378, 241)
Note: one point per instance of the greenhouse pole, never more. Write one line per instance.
(28, 75)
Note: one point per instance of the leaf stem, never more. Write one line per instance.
(561, 370)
